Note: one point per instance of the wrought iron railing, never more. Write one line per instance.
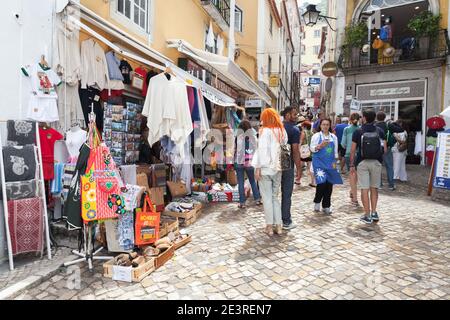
(405, 49)
(224, 8)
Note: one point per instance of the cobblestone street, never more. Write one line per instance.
(406, 256)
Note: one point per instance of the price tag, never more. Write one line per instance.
(122, 273)
(97, 98)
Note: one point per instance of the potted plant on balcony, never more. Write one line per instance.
(356, 36)
(426, 27)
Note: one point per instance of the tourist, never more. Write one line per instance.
(288, 176)
(266, 161)
(246, 142)
(341, 124)
(367, 151)
(324, 146)
(387, 157)
(305, 151)
(399, 152)
(346, 143)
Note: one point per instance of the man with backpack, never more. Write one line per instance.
(388, 160)
(368, 147)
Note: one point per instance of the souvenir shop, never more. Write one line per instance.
(108, 148)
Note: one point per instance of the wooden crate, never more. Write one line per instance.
(184, 215)
(137, 274)
(164, 257)
(191, 220)
(167, 225)
(183, 242)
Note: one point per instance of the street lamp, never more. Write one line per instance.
(312, 15)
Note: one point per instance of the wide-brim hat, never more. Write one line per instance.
(435, 123)
(366, 48)
(389, 52)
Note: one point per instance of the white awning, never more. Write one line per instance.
(228, 70)
(209, 92)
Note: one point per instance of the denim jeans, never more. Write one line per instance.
(270, 192)
(287, 187)
(388, 161)
(240, 172)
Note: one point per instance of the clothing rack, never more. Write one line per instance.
(42, 190)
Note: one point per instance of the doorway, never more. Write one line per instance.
(411, 113)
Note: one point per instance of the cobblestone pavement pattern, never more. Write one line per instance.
(405, 256)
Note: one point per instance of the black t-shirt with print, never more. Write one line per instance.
(125, 69)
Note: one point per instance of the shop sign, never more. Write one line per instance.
(315, 81)
(442, 173)
(254, 103)
(329, 69)
(390, 91)
(274, 81)
(355, 105)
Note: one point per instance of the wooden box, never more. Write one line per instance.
(136, 274)
(183, 242)
(164, 257)
(184, 215)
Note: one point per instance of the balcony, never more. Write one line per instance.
(407, 51)
(219, 10)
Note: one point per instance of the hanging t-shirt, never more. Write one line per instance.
(20, 163)
(48, 138)
(74, 140)
(21, 133)
(126, 69)
(43, 80)
(42, 105)
(143, 73)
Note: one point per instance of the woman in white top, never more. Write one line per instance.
(266, 161)
(324, 146)
(399, 153)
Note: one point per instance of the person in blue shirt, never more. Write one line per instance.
(290, 115)
(341, 124)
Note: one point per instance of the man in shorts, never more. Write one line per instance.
(368, 147)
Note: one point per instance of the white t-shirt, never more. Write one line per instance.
(42, 105)
(74, 140)
(43, 80)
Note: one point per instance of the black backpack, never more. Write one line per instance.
(371, 145)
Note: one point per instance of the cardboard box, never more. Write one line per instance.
(128, 274)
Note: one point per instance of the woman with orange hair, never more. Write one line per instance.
(266, 161)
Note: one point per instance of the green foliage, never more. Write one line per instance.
(356, 36)
(425, 24)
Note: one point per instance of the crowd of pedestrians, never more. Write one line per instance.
(286, 144)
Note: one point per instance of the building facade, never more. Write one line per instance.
(410, 81)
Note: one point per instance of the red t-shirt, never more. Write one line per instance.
(143, 74)
(48, 138)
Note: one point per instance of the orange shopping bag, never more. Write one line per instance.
(147, 224)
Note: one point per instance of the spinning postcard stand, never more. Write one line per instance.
(88, 253)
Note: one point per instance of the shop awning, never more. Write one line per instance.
(228, 70)
(145, 52)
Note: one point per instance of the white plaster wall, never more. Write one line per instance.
(23, 41)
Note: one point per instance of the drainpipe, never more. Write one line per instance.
(231, 40)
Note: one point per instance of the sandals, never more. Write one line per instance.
(269, 230)
(278, 229)
(242, 206)
(259, 203)
(312, 185)
(355, 203)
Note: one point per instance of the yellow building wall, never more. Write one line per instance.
(187, 20)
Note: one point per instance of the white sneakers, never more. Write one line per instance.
(317, 207)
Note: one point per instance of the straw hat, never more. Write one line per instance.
(366, 48)
(389, 52)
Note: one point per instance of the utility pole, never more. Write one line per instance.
(231, 40)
